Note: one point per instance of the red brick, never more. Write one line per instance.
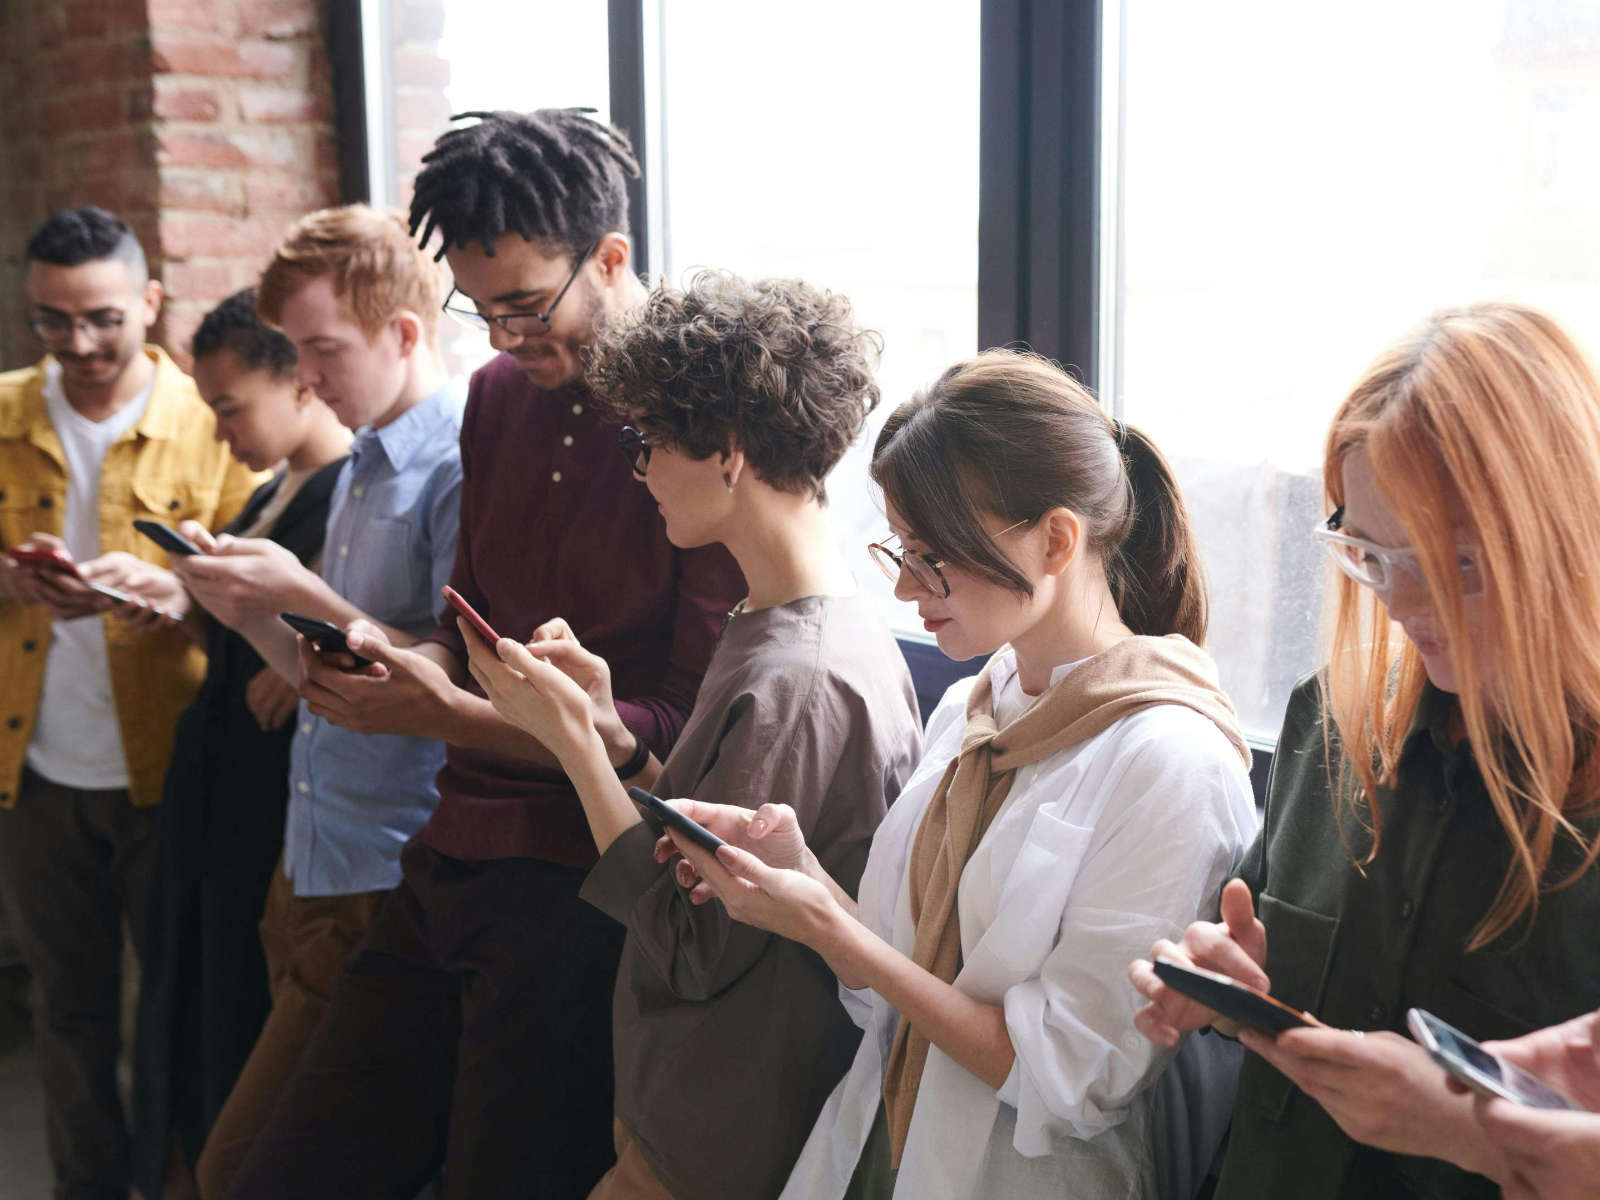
(208, 235)
(420, 68)
(178, 103)
(92, 65)
(279, 19)
(201, 192)
(268, 147)
(288, 193)
(210, 16)
(187, 281)
(87, 19)
(110, 152)
(271, 60)
(178, 53)
(82, 114)
(279, 105)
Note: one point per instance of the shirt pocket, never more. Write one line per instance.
(1033, 894)
(1299, 955)
(170, 501)
(383, 571)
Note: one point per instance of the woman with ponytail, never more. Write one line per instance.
(1086, 788)
(1430, 829)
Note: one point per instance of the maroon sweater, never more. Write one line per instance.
(553, 524)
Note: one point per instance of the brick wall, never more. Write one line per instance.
(421, 112)
(207, 124)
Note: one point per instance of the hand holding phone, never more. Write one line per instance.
(50, 561)
(485, 631)
(1231, 999)
(325, 637)
(1478, 1069)
(663, 812)
(165, 536)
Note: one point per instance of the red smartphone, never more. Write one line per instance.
(485, 631)
(38, 556)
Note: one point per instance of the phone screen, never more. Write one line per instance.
(1478, 1068)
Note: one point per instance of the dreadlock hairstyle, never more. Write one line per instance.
(554, 175)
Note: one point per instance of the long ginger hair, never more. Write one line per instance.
(1483, 425)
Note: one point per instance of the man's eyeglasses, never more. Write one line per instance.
(634, 448)
(1374, 566)
(103, 326)
(521, 324)
(924, 568)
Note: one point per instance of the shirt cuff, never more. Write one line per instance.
(624, 873)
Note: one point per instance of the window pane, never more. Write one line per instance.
(453, 56)
(838, 142)
(1301, 184)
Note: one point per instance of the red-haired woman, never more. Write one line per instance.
(1429, 837)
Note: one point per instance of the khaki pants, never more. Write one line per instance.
(307, 940)
(631, 1178)
(73, 865)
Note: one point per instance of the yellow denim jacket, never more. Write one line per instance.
(169, 467)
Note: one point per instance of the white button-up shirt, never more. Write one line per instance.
(1098, 850)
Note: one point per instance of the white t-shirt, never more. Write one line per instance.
(1097, 851)
(76, 740)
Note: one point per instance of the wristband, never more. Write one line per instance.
(636, 761)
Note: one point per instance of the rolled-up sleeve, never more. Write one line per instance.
(1153, 869)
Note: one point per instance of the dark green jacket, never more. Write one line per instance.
(1359, 950)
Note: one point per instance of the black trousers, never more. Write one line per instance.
(73, 864)
(472, 1028)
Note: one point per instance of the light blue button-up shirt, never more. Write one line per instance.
(355, 798)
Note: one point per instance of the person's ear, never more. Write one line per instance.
(1063, 538)
(150, 300)
(612, 256)
(304, 397)
(733, 462)
(408, 326)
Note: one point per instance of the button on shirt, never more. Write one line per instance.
(355, 798)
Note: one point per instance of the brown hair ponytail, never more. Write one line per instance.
(1013, 434)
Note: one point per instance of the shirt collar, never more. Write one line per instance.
(403, 438)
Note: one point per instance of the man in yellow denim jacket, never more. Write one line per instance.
(103, 430)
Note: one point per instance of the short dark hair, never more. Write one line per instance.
(777, 368)
(235, 325)
(73, 236)
(554, 175)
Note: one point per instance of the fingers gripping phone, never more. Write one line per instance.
(324, 636)
(1232, 999)
(663, 812)
(485, 631)
(165, 536)
(57, 563)
(1482, 1072)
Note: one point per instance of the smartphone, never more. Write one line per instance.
(324, 636)
(1231, 999)
(673, 819)
(485, 631)
(46, 560)
(1477, 1068)
(165, 536)
(54, 561)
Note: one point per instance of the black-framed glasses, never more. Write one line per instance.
(634, 448)
(924, 568)
(103, 326)
(522, 324)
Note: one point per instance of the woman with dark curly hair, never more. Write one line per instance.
(742, 397)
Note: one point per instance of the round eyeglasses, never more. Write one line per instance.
(923, 568)
(103, 326)
(1375, 566)
(519, 324)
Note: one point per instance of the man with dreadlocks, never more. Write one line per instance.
(473, 1026)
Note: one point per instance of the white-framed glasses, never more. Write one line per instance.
(1374, 566)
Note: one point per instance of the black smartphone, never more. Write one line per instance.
(1231, 999)
(673, 819)
(1480, 1070)
(165, 536)
(325, 637)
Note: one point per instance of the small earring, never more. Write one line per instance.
(727, 482)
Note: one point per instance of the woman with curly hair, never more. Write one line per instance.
(742, 397)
